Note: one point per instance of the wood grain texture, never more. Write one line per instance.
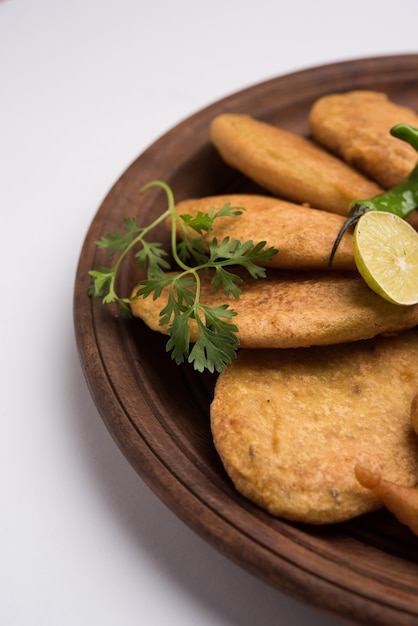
(364, 571)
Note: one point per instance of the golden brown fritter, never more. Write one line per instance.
(356, 125)
(292, 309)
(288, 165)
(291, 425)
(303, 236)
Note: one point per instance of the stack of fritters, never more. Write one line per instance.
(327, 370)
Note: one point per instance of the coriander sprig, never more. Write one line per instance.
(217, 341)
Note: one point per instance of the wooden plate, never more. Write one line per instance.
(364, 571)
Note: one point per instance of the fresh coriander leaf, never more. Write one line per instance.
(258, 254)
(227, 211)
(227, 280)
(195, 249)
(247, 255)
(101, 280)
(152, 254)
(115, 242)
(179, 341)
(130, 225)
(203, 222)
(181, 293)
(157, 280)
(181, 299)
(215, 317)
(122, 303)
(216, 343)
(154, 284)
(224, 250)
(211, 351)
(200, 223)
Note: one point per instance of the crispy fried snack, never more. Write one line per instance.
(292, 309)
(291, 425)
(400, 500)
(303, 236)
(288, 165)
(356, 125)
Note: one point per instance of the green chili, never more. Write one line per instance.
(400, 200)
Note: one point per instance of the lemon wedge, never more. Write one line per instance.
(386, 255)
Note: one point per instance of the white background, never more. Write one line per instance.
(85, 87)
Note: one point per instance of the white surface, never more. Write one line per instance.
(86, 86)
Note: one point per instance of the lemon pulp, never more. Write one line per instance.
(386, 255)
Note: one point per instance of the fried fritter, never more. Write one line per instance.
(356, 125)
(288, 165)
(291, 425)
(303, 236)
(297, 309)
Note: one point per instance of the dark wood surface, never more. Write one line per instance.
(364, 571)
